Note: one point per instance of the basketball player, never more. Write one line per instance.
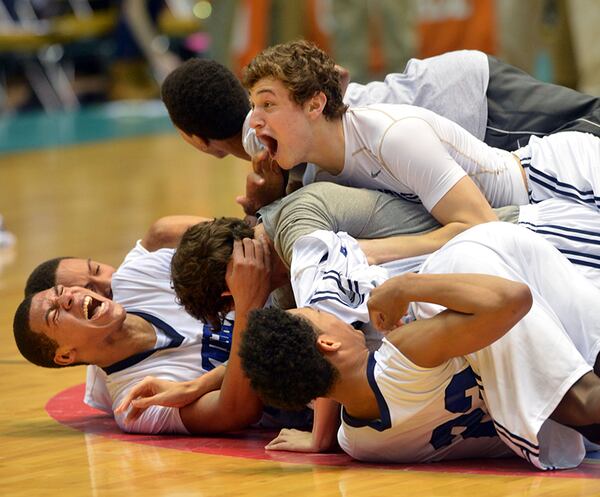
(413, 399)
(147, 332)
(419, 155)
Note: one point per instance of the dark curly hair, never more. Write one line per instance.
(280, 357)
(199, 264)
(205, 99)
(37, 348)
(43, 276)
(304, 69)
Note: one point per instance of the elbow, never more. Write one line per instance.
(481, 218)
(158, 235)
(524, 299)
(517, 301)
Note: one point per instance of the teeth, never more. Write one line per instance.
(86, 302)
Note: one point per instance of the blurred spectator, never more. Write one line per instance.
(584, 18)
(7, 239)
(362, 26)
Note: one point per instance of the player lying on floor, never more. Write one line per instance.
(143, 283)
(199, 267)
(414, 399)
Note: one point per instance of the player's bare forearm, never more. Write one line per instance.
(321, 439)
(235, 405)
(325, 423)
(479, 310)
(462, 207)
(381, 250)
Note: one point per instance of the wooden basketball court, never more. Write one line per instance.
(95, 200)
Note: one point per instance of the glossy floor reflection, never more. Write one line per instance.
(95, 200)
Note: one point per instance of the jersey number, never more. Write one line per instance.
(216, 345)
(457, 401)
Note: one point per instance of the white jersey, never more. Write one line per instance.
(521, 377)
(419, 155)
(525, 374)
(572, 228)
(185, 347)
(563, 165)
(427, 414)
(330, 272)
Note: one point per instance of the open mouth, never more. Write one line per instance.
(92, 307)
(270, 143)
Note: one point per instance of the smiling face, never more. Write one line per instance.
(86, 273)
(79, 320)
(280, 123)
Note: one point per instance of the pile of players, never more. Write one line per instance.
(423, 251)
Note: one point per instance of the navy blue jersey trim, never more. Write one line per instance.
(176, 341)
(580, 239)
(580, 254)
(524, 444)
(560, 229)
(580, 262)
(335, 299)
(559, 184)
(384, 422)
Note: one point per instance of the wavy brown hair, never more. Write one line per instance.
(199, 264)
(304, 69)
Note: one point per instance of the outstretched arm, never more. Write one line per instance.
(461, 208)
(479, 310)
(415, 156)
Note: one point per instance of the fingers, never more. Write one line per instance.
(238, 250)
(377, 319)
(137, 391)
(253, 180)
(133, 414)
(251, 248)
(281, 441)
(145, 402)
(266, 252)
(278, 445)
(261, 161)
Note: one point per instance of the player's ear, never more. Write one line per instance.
(316, 104)
(328, 344)
(199, 142)
(65, 356)
(196, 141)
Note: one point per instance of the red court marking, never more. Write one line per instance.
(67, 408)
